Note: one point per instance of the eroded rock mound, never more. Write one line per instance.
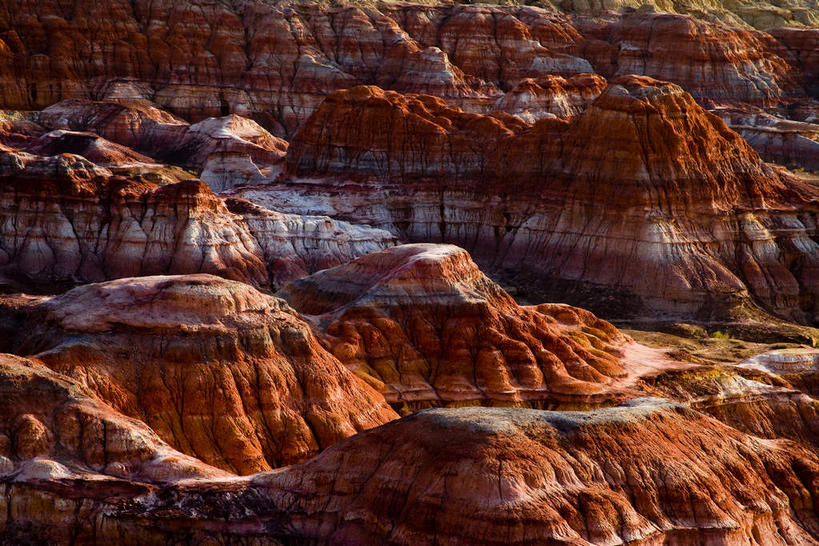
(425, 326)
(644, 473)
(218, 370)
(64, 219)
(224, 152)
(644, 198)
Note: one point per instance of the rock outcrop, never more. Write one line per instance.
(803, 44)
(276, 61)
(223, 152)
(426, 327)
(800, 368)
(64, 456)
(551, 96)
(64, 219)
(645, 198)
(752, 399)
(644, 473)
(794, 144)
(52, 428)
(218, 370)
(709, 61)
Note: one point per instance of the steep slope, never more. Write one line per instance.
(52, 428)
(218, 370)
(803, 44)
(64, 455)
(643, 203)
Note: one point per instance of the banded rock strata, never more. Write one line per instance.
(635, 474)
(644, 203)
(64, 219)
(276, 61)
(218, 370)
(425, 326)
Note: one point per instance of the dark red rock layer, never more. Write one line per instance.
(803, 44)
(644, 474)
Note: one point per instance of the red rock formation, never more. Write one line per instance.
(218, 370)
(88, 145)
(141, 127)
(52, 428)
(646, 473)
(224, 152)
(64, 219)
(645, 197)
(603, 477)
(425, 326)
(64, 455)
(275, 62)
(549, 96)
(18, 133)
(708, 60)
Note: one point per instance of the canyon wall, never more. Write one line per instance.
(275, 62)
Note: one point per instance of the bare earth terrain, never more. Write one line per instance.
(278, 272)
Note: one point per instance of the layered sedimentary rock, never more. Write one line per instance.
(218, 370)
(551, 96)
(88, 145)
(223, 152)
(709, 61)
(749, 397)
(644, 473)
(64, 455)
(294, 245)
(800, 368)
(276, 61)
(426, 327)
(52, 428)
(64, 219)
(794, 144)
(803, 44)
(643, 203)
(139, 126)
